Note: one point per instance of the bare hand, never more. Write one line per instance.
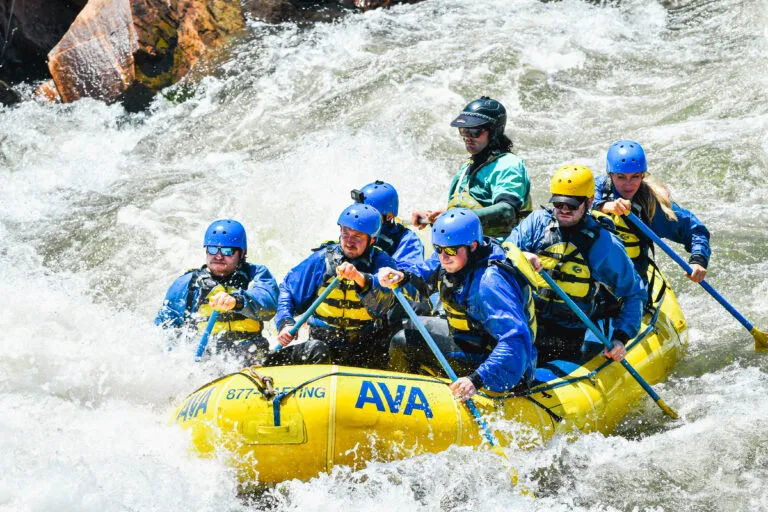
(534, 260)
(284, 337)
(222, 301)
(699, 273)
(617, 207)
(463, 389)
(348, 271)
(390, 277)
(616, 353)
(423, 218)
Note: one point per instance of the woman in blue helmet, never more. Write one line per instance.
(394, 239)
(628, 188)
(493, 182)
(244, 294)
(490, 326)
(347, 328)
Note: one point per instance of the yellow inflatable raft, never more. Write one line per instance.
(289, 422)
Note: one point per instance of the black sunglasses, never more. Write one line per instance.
(225, 251)
(471, 132)
(567, 206)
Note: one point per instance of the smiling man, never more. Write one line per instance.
(244, 294)
(493, 182)
(579, 253)
(348, 327)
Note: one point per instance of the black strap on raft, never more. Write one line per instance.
(651, 302)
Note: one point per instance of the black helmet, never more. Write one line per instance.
(482, 112)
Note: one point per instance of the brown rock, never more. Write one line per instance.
(48, 92)
(95, 56)
(114, 44)
(271, 11)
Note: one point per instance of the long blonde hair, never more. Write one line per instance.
(653, 193)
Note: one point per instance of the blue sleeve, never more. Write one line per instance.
(524, 235)
(409, 255)
(174, 312)
(260, 298)
(300, 287)
(499, 306)
(428, 267)
(599, 199)
(380, 299)
(611, 266)
(687, 230)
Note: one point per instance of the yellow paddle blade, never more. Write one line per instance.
(513, 472)
(513, 476)
(667, 409)
(761, 340)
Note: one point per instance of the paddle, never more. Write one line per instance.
(443, 362)
(204, 340)
(761, 338)
(308, 313)
(597, 332)
(452, 375)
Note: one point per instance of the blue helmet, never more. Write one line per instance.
(625, 157)
(361, 217)
(226, 233)
(459, 226)
(380, 195)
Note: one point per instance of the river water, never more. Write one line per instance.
(102, 209)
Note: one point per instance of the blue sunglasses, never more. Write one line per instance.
(225, 251)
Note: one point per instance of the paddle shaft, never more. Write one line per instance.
(308, 313)
(204, 340)
(597, 332)
(680, 261)
(443, 362)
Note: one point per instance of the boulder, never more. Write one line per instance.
(95, 56)
(7, 95)
(116, 44)
(115, 47)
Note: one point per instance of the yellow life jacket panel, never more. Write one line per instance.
(636, 244)
(343, 309)
(462, 326)
(522, 270)
(465, 326)
(233, 325)
(628, 235)
(566, 262)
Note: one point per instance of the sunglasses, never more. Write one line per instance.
(225, 251)
(566, 206)
(472, 133)
(451, 250)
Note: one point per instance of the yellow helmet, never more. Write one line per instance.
(572, 180)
